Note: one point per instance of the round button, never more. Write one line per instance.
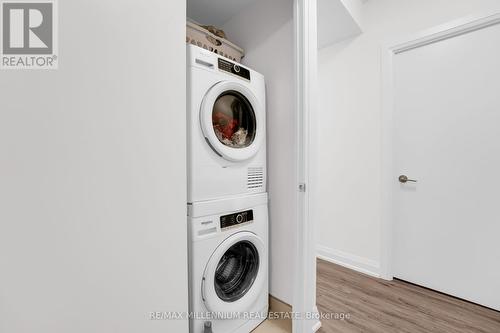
(239, 218)
(237, 68)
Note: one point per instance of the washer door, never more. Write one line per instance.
(232, 121)
(235, 274)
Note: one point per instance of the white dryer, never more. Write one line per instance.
(226, 127)
(228, 264)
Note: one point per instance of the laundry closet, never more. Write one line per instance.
(241, 156)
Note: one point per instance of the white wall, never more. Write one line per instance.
(265, 31)
(336, 21)
(349, 124)
(355, 8)
(92, 173)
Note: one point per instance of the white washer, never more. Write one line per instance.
(228, 264)
(226, 127)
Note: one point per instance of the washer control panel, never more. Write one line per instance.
(234, 69)
(232, 220)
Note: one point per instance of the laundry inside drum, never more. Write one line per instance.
(233, 120)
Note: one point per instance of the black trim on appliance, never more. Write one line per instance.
(231, 220)
(234, 69)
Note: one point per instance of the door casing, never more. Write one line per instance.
(306, 56)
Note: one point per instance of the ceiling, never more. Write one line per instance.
(336, 21)
(335, 17)
(215, 12)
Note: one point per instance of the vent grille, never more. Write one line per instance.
(255, 178)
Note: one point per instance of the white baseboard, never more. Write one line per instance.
(360, 264)
(316, 327)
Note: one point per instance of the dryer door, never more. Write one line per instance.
(235, 274)
(232, 120)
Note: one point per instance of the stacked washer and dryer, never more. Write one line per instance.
(227, 199)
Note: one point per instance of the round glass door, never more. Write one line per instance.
(233, 120)
(236, 271)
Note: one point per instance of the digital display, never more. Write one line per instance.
(234, 69)
(231, 220)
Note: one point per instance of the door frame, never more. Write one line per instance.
(389, 51)
(306, 55)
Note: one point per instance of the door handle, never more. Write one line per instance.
(404, 179)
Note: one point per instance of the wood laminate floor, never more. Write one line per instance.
(274, 326)
(380, 306)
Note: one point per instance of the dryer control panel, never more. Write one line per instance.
(231, 220)
(234, 69)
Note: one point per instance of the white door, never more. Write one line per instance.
(446, 136)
